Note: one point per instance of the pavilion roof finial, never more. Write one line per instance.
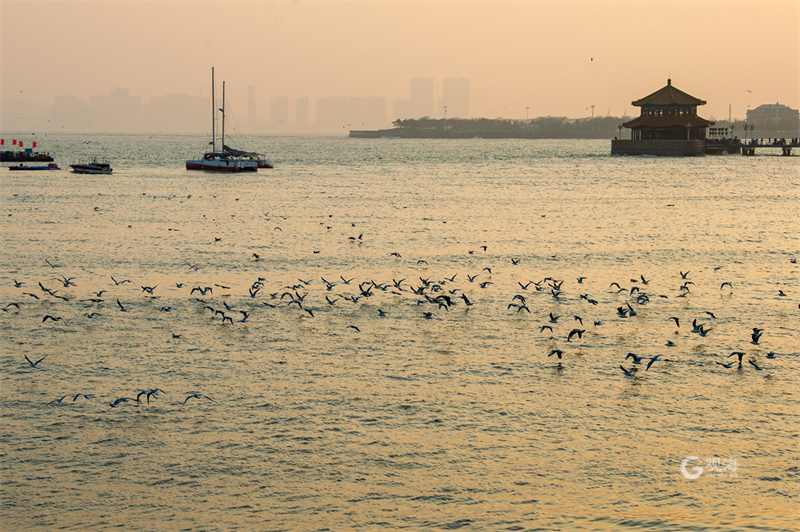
(669, 81)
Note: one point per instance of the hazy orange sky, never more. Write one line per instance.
(556, 58)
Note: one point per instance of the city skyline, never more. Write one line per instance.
(539, 58)
(121, 112)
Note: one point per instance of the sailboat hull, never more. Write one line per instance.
(214, 165)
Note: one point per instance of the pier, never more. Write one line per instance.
(749, 147)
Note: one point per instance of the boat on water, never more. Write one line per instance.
(92, 167)
(215, 162)
(227, 160)
(51, 166)
(248, 156)
(25, 155)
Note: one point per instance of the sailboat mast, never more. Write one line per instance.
(223, 116)
(213, 114)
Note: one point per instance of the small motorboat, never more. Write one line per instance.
(51, 166)
(92, 167)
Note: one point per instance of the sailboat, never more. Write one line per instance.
(220, 161)
(250, 161)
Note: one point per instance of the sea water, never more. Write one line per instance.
(345, 393)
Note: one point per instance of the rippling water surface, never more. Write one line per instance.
(458, 420)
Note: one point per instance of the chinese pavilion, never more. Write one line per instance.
(668, 114)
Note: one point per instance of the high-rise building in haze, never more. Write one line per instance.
(176, 113)
(279, 112)
(302, 113)
(115, 112)
(455, 95)
(69, 113)
(419, 105)
(422, 97)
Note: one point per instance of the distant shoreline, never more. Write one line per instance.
(403, 133)
(600, 128)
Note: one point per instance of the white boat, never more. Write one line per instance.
(227, 160)
(249, 157)
(92, 167)
(215, 162)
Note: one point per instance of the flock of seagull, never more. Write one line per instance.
(441, 294)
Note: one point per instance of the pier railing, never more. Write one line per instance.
(749, 146)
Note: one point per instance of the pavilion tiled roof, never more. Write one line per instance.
(668, 121)
(669, 95)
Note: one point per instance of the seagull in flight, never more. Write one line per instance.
(203, 291)
(652, 360)
(66, 281)
(636, 359)
(34, 364)
(629, 372)
(197, 396)
(738, 354)
(147, 393)
(573, 332)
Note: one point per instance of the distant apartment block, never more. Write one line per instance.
(176, 113)
(455, 96)
(69, 113)
(340, 114)
(422, 97)
(302, 113)
(279, 112)
(115, 112)
(419, 105)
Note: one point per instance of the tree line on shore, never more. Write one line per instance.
(552, 127)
